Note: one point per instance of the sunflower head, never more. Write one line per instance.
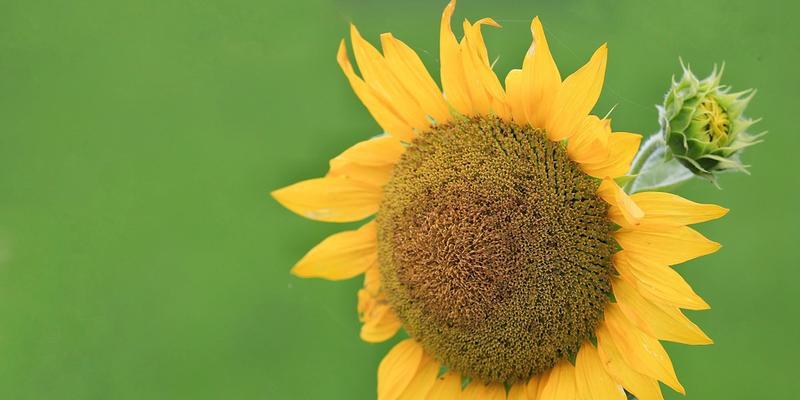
(703, 124)
(501, 242)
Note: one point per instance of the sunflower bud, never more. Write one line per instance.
(704, 126)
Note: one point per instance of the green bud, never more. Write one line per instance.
(704, 126)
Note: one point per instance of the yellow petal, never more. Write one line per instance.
(379, 76)
(333, 199)
(423, 381)
(639, 350)
(377, 104)
(341, 256)
(620, 201)
(659, 322)
(590, 143)
(518, 391)
(559, 383)
(641, 386)
(540, 78)
(398, 368)
(372, 279)
(669, 210)
(410, 70)
(485, 89)
(478, 391)
(446, 387)
(452, 68)
(622, 148)
(514, 96)
(378, 151)
(658, 282)
(577, 96)
(380, 323)
(592, 380)
(670, 246)
(370, 161)
(533, 388)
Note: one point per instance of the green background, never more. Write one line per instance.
(142, 257)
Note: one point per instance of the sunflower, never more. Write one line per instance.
(501, 241)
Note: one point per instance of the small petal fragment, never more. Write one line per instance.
(669, 210)
(330, 199)
(341, 256)
(577, 96)
(540, 78)
(593, 382)
(671, 246)
(446, 387)
(398, 368)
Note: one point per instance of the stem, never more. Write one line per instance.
(648, 149)
(652, 171)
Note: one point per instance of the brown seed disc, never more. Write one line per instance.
(494, 249)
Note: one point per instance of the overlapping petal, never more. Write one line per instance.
(640, 385)
(590, 143)
(409, 69)
(669, 246)
(370, 161)
(577, 96)
(658, 282)
(592, 380)
(619, 200)
(378, 105)
(622, 149)
(664, 210)
(664, 323)
(638, 349)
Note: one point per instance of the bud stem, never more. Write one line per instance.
(653, 170)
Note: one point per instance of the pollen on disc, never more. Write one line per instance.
(494, 249)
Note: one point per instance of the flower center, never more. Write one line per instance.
(714, 120)
(494, 249)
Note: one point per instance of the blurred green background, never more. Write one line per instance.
(142, 257)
